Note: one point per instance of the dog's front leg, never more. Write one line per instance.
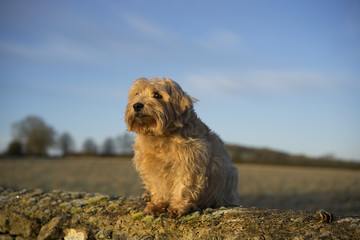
(182, 203)
(155, 204)
(192, 182)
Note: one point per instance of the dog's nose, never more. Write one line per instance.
(138, 106)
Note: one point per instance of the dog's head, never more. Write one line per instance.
(157, 106)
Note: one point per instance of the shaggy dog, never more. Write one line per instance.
(183, 164)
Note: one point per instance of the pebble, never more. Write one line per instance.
(325, 235)
(220, 212)
(73, 234)
(354, 225)
(298, 220)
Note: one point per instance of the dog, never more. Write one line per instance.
(183, 164)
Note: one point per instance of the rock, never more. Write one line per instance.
(52, 230)
(22, 225)
(325, 235)
(4, 222)
(6, 237)
(298, 220)
(74, 234)
(324, 216)
(103, 234)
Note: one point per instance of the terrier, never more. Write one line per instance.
(183, 164)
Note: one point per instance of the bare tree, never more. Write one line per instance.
(126, 142)
(89, 147)
(108, 147)
(34, 134)
(66, 143)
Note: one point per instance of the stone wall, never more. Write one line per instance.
(34, 214)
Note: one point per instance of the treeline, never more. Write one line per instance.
(240, 154)
(33, 136)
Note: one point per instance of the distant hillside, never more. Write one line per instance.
(242, 154)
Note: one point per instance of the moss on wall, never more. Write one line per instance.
(34, 214)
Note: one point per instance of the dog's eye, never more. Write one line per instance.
(157, 95)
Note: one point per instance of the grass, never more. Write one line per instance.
(282, 187)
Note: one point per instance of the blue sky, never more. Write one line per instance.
(278, 74)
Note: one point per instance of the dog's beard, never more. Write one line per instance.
(152, 122)
(141, 123)
(145, 122)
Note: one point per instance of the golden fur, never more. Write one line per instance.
(183, 164)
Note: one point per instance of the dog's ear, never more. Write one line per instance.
(180, 100)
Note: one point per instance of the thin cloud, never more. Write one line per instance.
(220, 40)
(16, 49)
(81, 39)
(270, 82)
(55, 48)
(100, 89)
(145, 27)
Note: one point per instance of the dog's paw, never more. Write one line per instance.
(178, 211)
(157, 209)
(174, 212)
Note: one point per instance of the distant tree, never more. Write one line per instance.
(15, 148)
(34, 134)
(108, 148)
(89, 147)
(126, 141)
(66, 143)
